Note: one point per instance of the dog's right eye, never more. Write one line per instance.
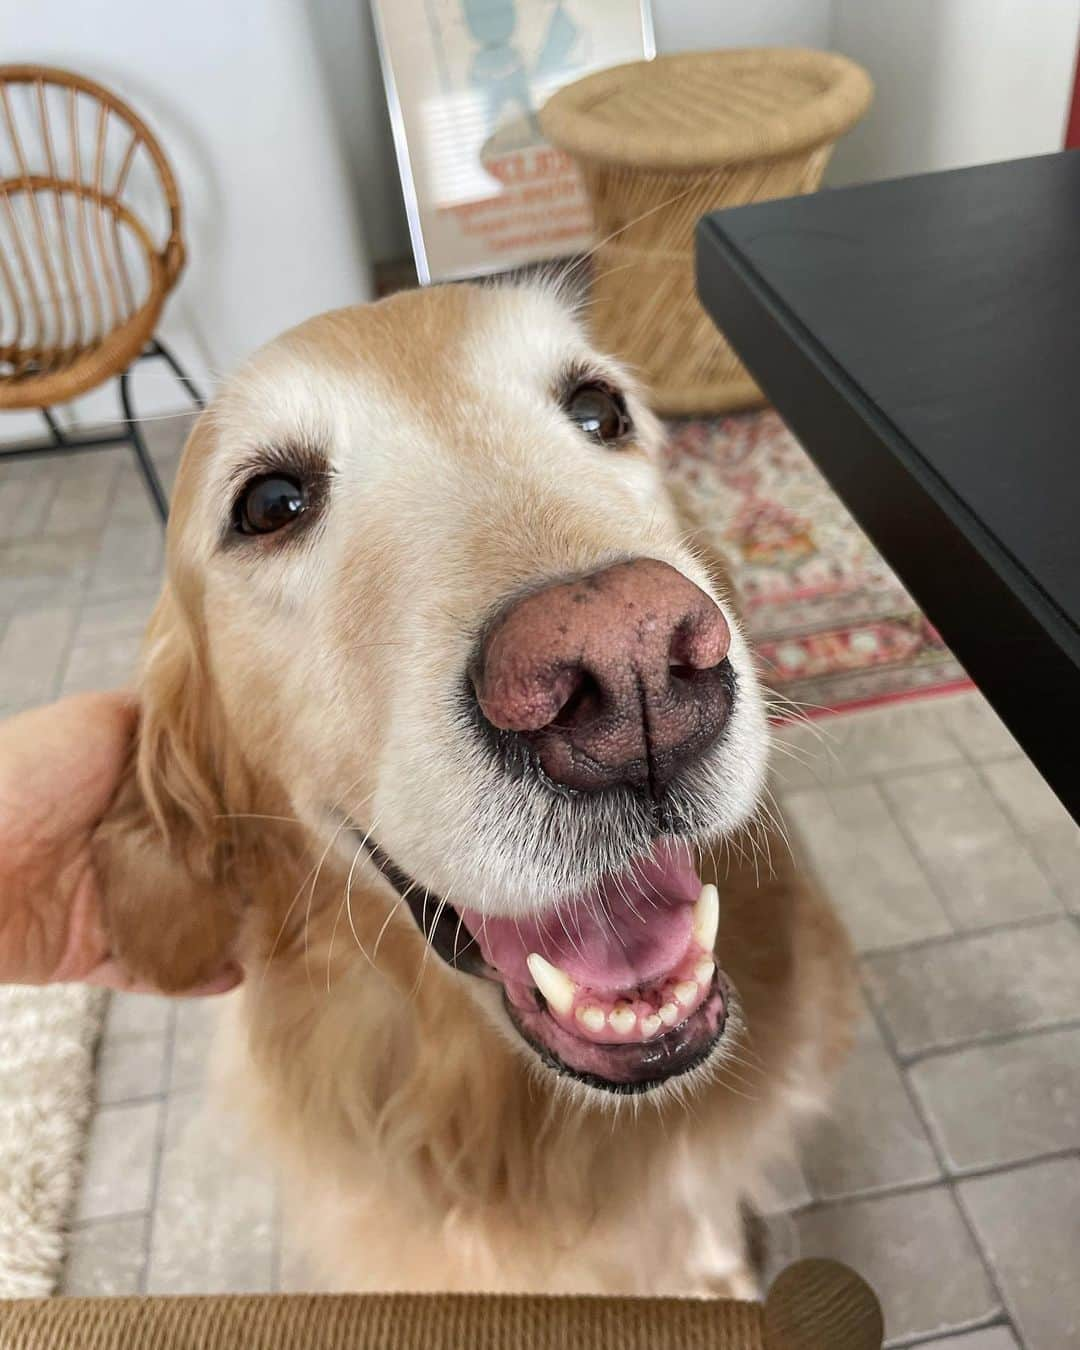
(268, 504)
(599, 412)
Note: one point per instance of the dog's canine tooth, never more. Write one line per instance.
(555, 985)
(707, 917)
(686, 992)
(668, 1013)
(591, 1018)
(703, 971)
(622, 1019)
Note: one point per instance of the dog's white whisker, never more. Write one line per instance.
(401, 900)
(358, 853)
(330, 945)
(288, 913)
(311, 895)
(259, 815)
(770, 810)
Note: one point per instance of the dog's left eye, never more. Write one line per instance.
(599, 412)
(269, 503)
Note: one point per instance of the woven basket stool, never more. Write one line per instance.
(813, 1305)
(659, 144)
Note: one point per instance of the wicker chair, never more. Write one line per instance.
(90, 247)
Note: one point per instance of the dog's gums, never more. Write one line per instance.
(617, 986)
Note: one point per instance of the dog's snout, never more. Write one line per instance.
(619, 677)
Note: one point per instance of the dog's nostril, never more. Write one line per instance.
(677, 671)
(584, 703)
(699, 642)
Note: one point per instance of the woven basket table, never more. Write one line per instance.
(659, 144)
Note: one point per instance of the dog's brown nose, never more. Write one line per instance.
(618, 677)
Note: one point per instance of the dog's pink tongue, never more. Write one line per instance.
(633, 929)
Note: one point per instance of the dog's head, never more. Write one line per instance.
(425, 579)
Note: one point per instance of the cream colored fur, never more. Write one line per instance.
(298, 698)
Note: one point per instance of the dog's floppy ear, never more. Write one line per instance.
(162, 851)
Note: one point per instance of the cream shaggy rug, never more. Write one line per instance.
(47, 1039)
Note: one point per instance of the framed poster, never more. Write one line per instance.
(464, 79)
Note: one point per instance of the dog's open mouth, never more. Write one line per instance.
(617, 986)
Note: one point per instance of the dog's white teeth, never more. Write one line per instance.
(668, 1014)
(622, 1019)
(686, 992)
(703, 971)
(591, 1018)
(651, 1024)
(555, 985)
(707, 917)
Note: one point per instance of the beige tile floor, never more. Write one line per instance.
(949, 1172)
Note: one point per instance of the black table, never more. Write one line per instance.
(922, 339)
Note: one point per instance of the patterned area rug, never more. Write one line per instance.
(833, 626)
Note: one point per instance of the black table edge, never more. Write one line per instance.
(1021, 649)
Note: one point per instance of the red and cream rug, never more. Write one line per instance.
(833, 626)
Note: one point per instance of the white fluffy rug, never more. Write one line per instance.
(47, 1039)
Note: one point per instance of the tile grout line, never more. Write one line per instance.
(79, 607)
(138, 1099)
(1025, 835)
(939, 1156)
(1020, 836)
(931, 872)
(916, 1057)
(909, 771)
(899, 1188)
(58, 478)
(962, 934)
(928, 874)
(1006, 1305)
(159, 1152)
(954, 1334)
(80, 1225)
(816, 873)
(906, 1059)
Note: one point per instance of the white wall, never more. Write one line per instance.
(682, 25)
(236, 95)
(958, 82)
(345, 36)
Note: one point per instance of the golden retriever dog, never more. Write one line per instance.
(451, 736)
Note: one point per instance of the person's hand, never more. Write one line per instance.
(59, 768)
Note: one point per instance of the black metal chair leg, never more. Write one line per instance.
(159, 349)
(58, 434)
(73, 442)
(146, 464)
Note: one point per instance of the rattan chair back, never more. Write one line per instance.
(90, 235)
